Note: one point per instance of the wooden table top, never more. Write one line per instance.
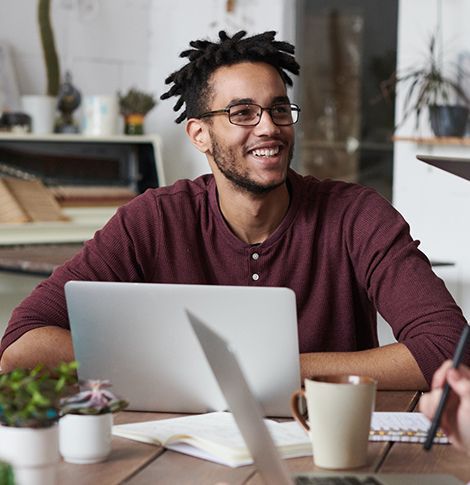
(36, 259)
(138, 463)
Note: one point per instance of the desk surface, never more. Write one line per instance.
(36, 259)
(139, 463)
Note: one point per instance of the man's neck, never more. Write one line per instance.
(252, 217)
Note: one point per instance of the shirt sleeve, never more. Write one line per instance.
(118, 252)
(400, 282)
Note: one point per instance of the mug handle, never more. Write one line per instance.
(294, 406)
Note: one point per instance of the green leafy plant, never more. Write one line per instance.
(136, 102)
(426, 85)
(95, 398)
(6, 474)
(30, 398)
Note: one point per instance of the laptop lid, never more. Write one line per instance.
(242, 403)
(457, 166)
(138, 336)
(246, 412)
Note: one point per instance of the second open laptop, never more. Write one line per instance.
(138, 336)
(223, 359)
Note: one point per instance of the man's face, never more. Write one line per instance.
(254, 158)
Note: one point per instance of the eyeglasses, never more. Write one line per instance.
(249, 114)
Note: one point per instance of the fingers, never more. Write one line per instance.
(439, 376)
(459, 381)
(464, 371)
(429, 402)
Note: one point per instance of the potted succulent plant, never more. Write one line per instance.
(134, 105)
(29, 411)
(86, 426)
(428, 87)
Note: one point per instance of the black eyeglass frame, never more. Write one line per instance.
(294, 109)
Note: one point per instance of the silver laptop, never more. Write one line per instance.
(247, 413)
(138, 336)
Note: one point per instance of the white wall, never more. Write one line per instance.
(103, 42)
(435, 203)
(111, 45)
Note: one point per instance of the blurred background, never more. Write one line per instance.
(350, 128)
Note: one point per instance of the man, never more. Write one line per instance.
(341, 247)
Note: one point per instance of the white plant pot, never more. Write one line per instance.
(42, 110)
(85, 439)
(33, 453)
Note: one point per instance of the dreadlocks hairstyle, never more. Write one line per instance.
(191, 82)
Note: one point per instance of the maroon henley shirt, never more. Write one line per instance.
(341, 247)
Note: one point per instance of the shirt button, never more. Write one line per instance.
(255, 256)
(255, 276)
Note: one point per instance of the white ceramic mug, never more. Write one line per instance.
(100, 115)
(85, 439)
(339, 414)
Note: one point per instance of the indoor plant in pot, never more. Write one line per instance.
(427, 86)
(134, 105)
(42, 108)
(86, 424)
(29, 410)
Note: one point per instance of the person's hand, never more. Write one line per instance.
(456, 417)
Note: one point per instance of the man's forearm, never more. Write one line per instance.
(46, 345)
(393, 366)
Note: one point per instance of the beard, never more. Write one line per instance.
(226, 161)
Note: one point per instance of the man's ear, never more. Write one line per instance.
(198, 133)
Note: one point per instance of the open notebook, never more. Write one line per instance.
(214, 437)
(409, 427)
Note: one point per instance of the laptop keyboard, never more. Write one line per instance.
(344, 480)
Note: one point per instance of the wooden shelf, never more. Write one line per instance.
(57, 137)
(84, 222)
(138, 163)
(443, 140)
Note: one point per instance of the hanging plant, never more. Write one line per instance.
(429, 89)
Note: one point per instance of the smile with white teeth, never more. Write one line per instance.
(266, 152)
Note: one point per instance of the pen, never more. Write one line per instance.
(436, 421)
